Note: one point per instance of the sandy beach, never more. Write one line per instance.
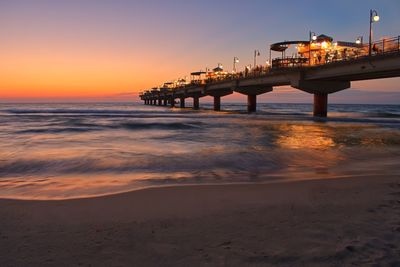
(338, 222)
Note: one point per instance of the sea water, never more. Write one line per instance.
(62, 151)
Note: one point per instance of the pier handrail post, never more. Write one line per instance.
(398, 43)
(256, 54)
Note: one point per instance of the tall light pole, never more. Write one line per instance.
(235, 60)
(270, 56)
(373, 17)
(313, 37)
(256, 54)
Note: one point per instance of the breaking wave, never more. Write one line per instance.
(47, 148)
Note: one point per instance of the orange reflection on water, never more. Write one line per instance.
(305, 136)
(312, 150)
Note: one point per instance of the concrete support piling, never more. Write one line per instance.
(251, 103)
(182, 102)
(252, 93)
(196, 102)
(217, 103)
(165, 101)
(172, 102)
(320, 105)
(159, 101)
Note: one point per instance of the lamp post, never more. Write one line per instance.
(235, 60)
(313, 37)
(270, 55)
(373, 17)
(256, 54)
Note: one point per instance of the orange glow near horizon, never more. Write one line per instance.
(73, 74)
(36, 67)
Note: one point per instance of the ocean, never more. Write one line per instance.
(66, 151)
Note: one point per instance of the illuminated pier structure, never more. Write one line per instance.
(320, 67)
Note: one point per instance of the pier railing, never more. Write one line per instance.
(386, 46)
(382, 47)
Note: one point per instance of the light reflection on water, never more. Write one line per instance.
(305, 136)
(69, 150)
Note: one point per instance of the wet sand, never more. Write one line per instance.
(338, 222)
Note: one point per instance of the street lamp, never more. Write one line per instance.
(373, 17)
(235, 60)
(256, 54)
(313, 37)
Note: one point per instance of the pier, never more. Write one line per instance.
(321, 67)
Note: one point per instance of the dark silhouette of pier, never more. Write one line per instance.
(317, 78)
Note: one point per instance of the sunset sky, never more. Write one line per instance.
(109, 50)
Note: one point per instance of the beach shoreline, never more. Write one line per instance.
(301, 223)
